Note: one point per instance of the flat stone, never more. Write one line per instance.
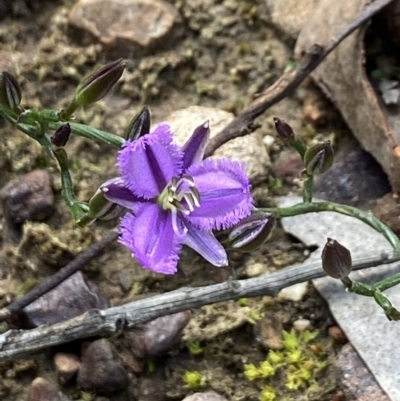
(43, 390)
(356, 380)
(248, 149)
(362, 320)
(101, 370)
(126, 26)
(67, 366)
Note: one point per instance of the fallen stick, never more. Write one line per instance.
(18, 343)
(244, 124)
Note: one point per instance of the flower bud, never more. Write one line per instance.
(10, 92)
(139, 125)
(61, 136)
(97, 85)
(100, 209)
(336, 259)
(251, 232)
(283, 129)
(318, 158)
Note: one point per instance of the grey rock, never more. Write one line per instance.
(27, 197)
(248, 149)
(42, 390)
(126, 26)
(71, 298)
(356, 380)
(101, 370)
(354, 179)
(157, 336)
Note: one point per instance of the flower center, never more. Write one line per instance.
(180, 195)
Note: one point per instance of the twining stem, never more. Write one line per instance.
(369, 290)
(308, 189)
(91, 133)
(67, 185)
(312, 207)
(388, 282)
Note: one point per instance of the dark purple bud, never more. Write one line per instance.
(318, 158)
(61, 136)
(10, 92)
(251, 232)
(283, 129)
(336, 259)
(139, 125)
(97, 85)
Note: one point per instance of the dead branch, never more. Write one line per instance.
(244, 124)
(19, 343)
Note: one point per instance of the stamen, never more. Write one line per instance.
(180, 195)
(189, 200)
(196, 196)
(178, 205)
(175, 224)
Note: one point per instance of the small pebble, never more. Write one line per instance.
(207, 396)
(337, 334)
(101, 370)
(302, 324)
(67, 366)
(295, 292)
(42, 390)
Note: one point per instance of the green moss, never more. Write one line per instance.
(194, 380)
(297, 363)
(195, 348)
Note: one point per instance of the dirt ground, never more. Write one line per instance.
(242, 58)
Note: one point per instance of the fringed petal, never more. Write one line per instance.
(148, 164)
(115, 191)
(150, 237)
(205, 243)
(193, 149)
(224, 190)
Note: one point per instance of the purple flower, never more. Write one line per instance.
(176, 198)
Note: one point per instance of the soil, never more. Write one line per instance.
(242, 54)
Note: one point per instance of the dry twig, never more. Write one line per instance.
(18, 343)
(244, 124)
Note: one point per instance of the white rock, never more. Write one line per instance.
(295, 292)
(302, 324)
